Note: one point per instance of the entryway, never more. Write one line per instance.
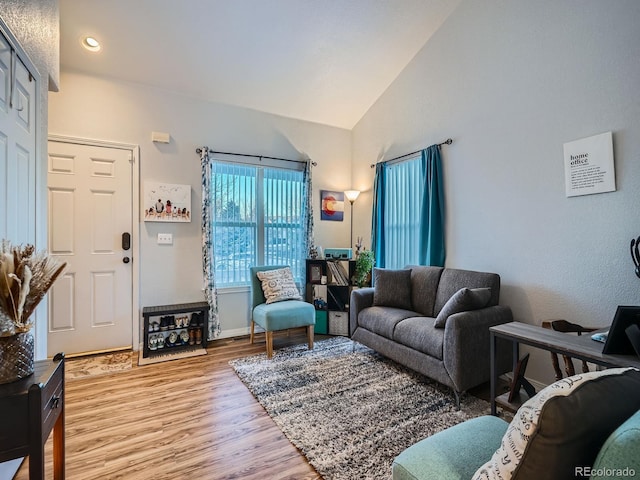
(91, 198)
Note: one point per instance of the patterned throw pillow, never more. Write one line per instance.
(557, 434)
(463, 300)
(278, 285)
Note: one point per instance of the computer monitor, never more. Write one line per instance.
(618, 343)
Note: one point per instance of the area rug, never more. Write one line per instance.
(99, 364)
(350, 412)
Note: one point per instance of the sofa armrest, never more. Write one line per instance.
(361, 298)
(466, 348)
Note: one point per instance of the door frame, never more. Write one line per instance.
(135, 220)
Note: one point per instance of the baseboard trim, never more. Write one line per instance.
(235, 332)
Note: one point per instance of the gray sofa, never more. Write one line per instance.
(458, 354)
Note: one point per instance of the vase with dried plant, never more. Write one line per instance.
(25, 278)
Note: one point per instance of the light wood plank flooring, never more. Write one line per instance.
(182, 419)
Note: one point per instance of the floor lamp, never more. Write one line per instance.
(351, 196)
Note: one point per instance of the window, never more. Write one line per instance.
(258, 214)
(403, 190)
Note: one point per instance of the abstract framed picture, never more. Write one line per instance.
(331, 205)
(166, 202)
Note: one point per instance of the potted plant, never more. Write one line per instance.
(364, 265)
(25, 278)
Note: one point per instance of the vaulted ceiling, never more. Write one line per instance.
(325, 61)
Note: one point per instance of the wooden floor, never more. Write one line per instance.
(182, 419)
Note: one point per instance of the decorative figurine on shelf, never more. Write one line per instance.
(313, 252)
(358, 246)
(635, 254)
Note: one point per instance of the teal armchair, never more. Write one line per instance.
(280, 315)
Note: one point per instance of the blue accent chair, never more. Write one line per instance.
(279, 315)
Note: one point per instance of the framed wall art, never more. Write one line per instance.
(589, 166)
(331, 205)
(166, 202)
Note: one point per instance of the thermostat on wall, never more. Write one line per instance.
(160, 137)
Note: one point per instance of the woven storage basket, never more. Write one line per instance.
(16, 357)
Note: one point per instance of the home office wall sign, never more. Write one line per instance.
(588, 165)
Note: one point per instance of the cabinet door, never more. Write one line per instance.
(17, 148)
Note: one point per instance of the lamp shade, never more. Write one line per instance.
(352, 195)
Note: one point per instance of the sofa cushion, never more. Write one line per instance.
(453, 280)
(419, 334)
(392, 288)
(564, 426)
(424, 285)
(383, 320)
(278, 285)
(618, 457)
(463, 300)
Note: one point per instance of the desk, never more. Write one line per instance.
(580, 347)
(29, 409)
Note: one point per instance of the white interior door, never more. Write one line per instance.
(17, 148)
(90, 208)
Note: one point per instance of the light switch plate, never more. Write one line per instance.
(165, 239)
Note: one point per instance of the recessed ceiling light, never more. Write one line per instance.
(91, 44)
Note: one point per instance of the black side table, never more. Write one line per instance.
(29, 409)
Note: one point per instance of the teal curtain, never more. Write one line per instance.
(408, 211)
(209, 283)
(378, 223)
(432, 246)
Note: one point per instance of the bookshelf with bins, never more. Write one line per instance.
(329, 288)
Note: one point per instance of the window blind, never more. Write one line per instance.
(257, 220)
(403, 192)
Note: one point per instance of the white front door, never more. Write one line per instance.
(90, 208)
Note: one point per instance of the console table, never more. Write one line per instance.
(580, 347)
(29, 409)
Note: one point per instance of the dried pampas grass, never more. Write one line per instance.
(25, 278)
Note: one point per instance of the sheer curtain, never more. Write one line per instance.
(208, 273)
(408, 211)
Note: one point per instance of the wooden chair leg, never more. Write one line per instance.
(568, 366)
(253, 325)
(269, 344)
(585, 367)
(556, 366)
(310, 336)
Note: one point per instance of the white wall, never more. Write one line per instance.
(103, 109)
(510, 82)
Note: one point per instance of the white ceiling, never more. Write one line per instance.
(325, 61)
